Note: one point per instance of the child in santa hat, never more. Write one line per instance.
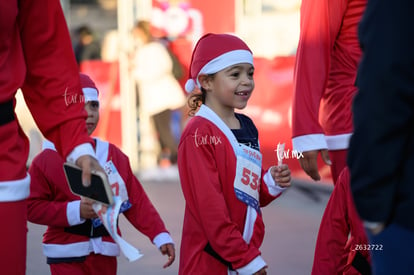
(220, 164)
(75, 242)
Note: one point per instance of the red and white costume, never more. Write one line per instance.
(327, 58)
(209, 167)
(52, 203)
(341, 234)
(35, 55)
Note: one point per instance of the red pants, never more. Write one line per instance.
(95, 264)
(13, 232)
(13, 212)
(338, 159)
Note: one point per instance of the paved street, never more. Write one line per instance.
(292, 223)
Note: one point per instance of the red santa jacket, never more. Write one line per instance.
(327, 58)
(214, 217)
(52, 203)
(36, 55)
(341, 234)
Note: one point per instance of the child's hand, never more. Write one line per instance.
(168, 249)
(261, 271)
(281, 175)
(86, 209)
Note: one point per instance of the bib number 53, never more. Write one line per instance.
(250, 178)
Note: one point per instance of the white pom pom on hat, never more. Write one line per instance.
(190, 85)
(215, 52)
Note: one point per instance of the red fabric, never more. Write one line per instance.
(95, 264)
(14, 230)
(326, 64)
(14, 152)
(213, 214)
(50, 193)
(340, 231)
(211, 46)
(36, 55)
(87, 82)
(338, 159)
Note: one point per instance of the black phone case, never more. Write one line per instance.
(99, 190)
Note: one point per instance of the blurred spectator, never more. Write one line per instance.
(158, 89)
(381, 151)
(87, 47)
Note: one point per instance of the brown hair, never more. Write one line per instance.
(197, 98)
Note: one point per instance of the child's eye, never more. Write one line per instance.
(235, 74)
(95, 104)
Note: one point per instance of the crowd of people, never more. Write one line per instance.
(353, 62)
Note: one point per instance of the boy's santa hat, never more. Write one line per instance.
(215, 52)
(90, 92)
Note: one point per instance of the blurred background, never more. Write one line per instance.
(102, 39)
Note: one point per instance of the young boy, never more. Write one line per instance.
(73, 244)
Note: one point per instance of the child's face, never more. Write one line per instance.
(92, 108)
(231, 87)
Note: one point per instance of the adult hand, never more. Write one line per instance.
(88, 164)
(374, 227)
(169, 250)
(309, 162)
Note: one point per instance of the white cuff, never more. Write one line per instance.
(274, 188)
(161, 239)
(252, 267)
(15, 190)
(309, 142)
(80, 150)
(73, 213)
(338, 142)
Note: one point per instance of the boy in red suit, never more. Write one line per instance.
(75, 242)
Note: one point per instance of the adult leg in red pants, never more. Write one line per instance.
(14, 188)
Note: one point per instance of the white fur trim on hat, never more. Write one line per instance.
(219, 63)
(90, 94)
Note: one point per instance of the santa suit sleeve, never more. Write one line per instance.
(51, 88)
(319, 26)
(143, 215)
(203, 192)
(43, 208)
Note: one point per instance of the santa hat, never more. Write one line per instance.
(215, 52)
(90, 92)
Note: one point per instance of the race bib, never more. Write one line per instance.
(248, 175)
(118, 188)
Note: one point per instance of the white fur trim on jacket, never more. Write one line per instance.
(80, 249)
(15, 190)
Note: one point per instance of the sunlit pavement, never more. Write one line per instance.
(292, 223)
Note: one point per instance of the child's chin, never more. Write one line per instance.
(240, 106)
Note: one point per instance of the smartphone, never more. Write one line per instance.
(99, 189)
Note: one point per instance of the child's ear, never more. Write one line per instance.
(205, 81)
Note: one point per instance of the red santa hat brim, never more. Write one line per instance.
(90, 92)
